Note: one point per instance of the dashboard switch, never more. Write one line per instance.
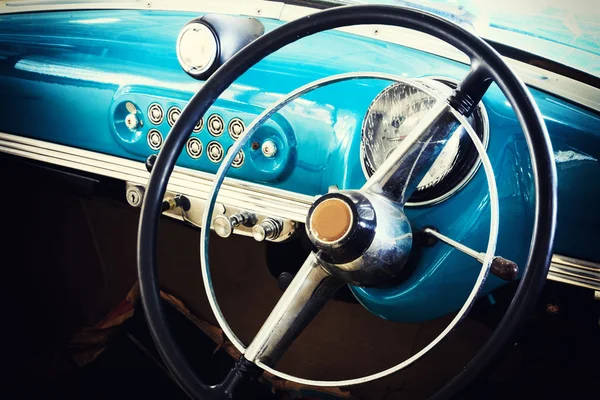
(269, 228)
(224, 225)
(149, 164)
(269, 148)
(132, 122)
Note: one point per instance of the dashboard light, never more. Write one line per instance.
(197, 48)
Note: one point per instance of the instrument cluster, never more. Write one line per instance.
(141, 123)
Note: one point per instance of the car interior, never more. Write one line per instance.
(300, 199)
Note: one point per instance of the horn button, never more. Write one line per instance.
(331, 220)
(364, 239)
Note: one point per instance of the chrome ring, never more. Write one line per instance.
(238, 160)
(218, 181)
(214, 151)
(173, 115)
(482, 112)
(154, 139)
(156, 114)
(194, 147)
(235, 128)
(215, 125)
(199, 125)
(195, 70)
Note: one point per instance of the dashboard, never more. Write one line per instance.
(99, 90)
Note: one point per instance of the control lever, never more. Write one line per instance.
(501, 267)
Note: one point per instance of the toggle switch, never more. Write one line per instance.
(224, 225)
(171, 203)
(269, 228)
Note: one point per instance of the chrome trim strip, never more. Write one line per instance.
(575, 272)
(236, 193)
(535, 77)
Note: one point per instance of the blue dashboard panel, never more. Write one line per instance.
(72, 77)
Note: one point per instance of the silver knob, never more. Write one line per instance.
(132, 122)
(269, 228)
(269, 148)
(225, 225)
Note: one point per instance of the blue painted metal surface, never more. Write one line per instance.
(64, 76)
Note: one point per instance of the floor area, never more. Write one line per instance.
(69, 258)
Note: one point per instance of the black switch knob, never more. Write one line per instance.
(172, 203)
(150, 161)
(284, 280)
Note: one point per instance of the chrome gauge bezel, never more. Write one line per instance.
(192, 69)
(432, 83)
(239, 158)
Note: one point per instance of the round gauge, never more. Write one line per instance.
(197, 48)
(393, 115)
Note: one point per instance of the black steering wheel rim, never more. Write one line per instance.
(478, 51)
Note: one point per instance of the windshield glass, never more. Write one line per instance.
(566, 31)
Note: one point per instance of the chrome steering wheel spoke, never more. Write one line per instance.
(306, 295)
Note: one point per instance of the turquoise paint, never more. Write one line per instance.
(67, 83)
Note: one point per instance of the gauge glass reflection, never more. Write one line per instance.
(393, 116)
(196, 48)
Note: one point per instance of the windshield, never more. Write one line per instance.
(566, 31)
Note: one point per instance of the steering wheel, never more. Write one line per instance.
(360, 237)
